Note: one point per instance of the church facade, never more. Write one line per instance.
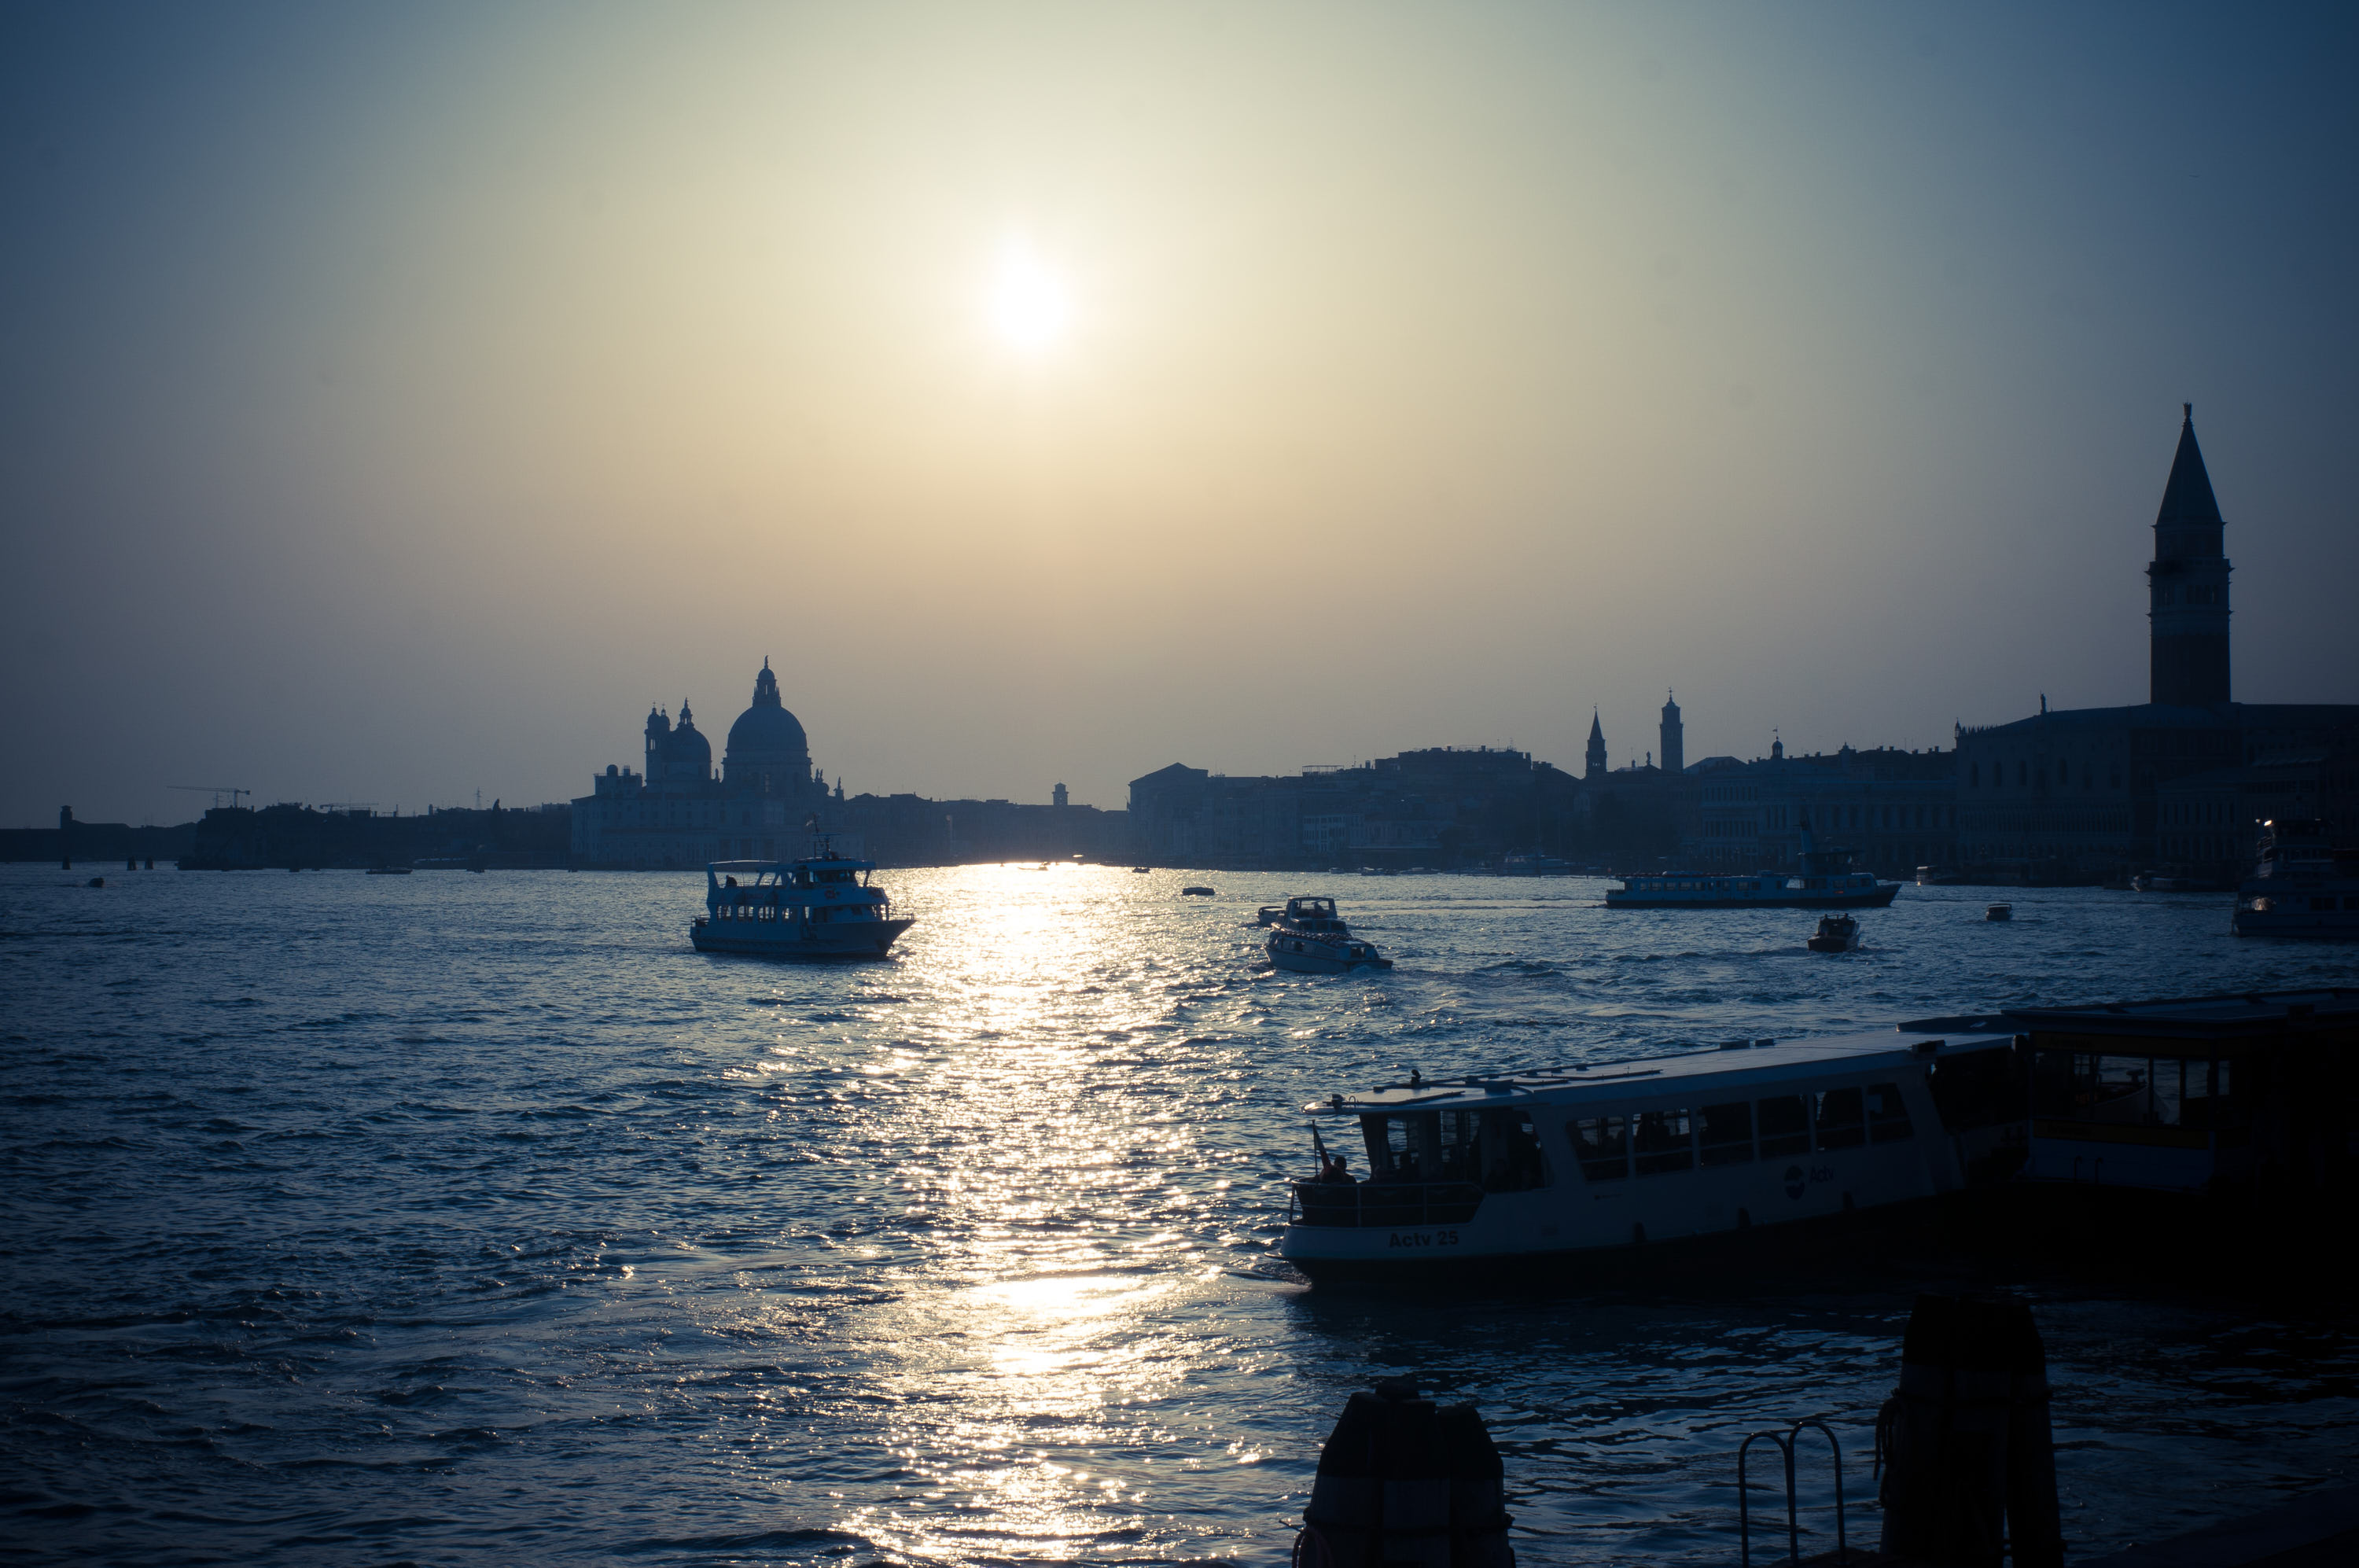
(682, 811)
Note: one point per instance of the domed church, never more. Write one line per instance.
(681, 812)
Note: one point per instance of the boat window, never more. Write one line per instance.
(1887, 1114)
(2084, 1087)
(1785, 1127)
(1664, 1143)
(1725, 1133)
(1403, 1148)
(1979, 1089)
(2206, 1103)
(1839, 1118)
(1601, 1144)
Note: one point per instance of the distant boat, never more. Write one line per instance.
(2303, 886)
(1533, 863)
(1138, 870)
(1836, 933)
(1311, 938)
(1269, 914)
(388, 870)
(1197, 893)
(1999, 912)
(819, 907)
(1939, 877)
(2160, 882)
(1827, 882)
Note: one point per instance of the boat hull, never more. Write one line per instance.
(1314, 960)
(2327, 924)
(850, 940)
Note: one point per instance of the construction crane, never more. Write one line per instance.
(215, 791)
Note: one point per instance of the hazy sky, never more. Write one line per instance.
(396, 401)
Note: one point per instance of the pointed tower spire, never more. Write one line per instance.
(1593, 764)
(2187, 584)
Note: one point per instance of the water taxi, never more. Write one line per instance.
(2302, 885)
(1836, 933)
(819, 907)
(1575, 1165)
(1311, 938)
(1825, 882)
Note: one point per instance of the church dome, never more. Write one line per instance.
(767, 742)
(688, 756)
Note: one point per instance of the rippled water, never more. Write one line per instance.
(437, 1218)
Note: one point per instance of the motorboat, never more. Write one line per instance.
(1939, 877)
(1269, 914)
(1836, 933)
(388, 870)
(1999, 912)
(1825, 881)
(2167, 882)
(1311, 938)
(2302, 884)
(823, 906)
(1575, 1165)
(1197, 893)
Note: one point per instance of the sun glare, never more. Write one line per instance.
(1031, 306)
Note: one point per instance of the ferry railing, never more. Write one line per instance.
(1381, 1203)
(1787, 1442)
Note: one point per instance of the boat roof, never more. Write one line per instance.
(841, 862)
(2203, 1017)
(1738, 1064)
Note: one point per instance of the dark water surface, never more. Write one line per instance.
(447, 1218)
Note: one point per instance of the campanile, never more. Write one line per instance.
(2188, 585)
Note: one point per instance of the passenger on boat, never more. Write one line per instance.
(729, 881)
(1333, 1169)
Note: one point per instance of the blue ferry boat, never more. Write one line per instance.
(1826, 881)
(819, 907)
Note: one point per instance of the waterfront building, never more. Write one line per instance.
(2094, 794)
(682, 814)
(1894, 810)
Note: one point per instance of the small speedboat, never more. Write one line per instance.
(1836, 933)
(1999, 912)
(1197, 893)
(1311, 938)
(1269, 915)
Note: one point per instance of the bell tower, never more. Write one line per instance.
(1675, 737)
(1593, 763)
(2187, 585)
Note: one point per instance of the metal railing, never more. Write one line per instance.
(1787, 1442)
(1379, 1204)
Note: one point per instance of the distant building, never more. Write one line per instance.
(1592, 765)
(680, 813)
(1446, 806)
(1894, 810)
(1675, 744)
(2094, 794)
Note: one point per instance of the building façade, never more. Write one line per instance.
(681, 812)
(2179, 781)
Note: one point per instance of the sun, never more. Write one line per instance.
(1031, 305)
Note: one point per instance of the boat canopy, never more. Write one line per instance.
(1739, 1062)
